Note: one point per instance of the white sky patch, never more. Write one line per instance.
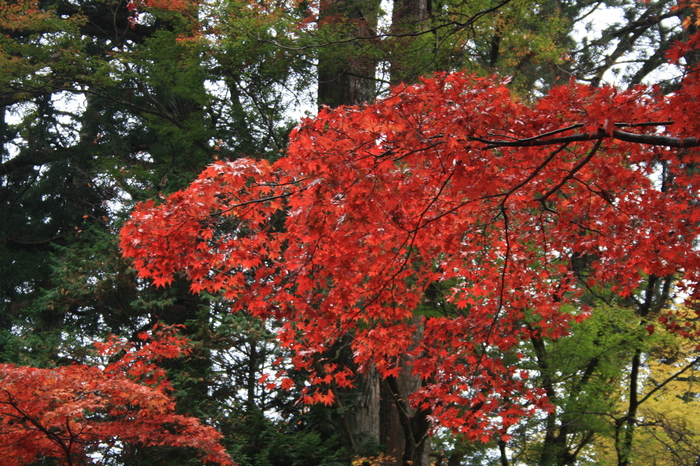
(69, 105)
(384, 20)
(596, 20)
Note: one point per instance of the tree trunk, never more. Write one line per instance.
(381, 415)
(408, 17)
(366, 418)
(624, 434)
(346, 73)
(413, 447)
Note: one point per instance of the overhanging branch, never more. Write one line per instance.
(626, 136)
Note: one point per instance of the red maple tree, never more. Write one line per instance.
(451, 181)
(71, 412)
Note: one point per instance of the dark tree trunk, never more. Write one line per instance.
(346, 73)
(408, 18)
(381, 415)
(411, 437)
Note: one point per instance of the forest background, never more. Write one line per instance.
(110, 103)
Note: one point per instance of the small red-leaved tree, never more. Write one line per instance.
(451, 181)
(71, 412)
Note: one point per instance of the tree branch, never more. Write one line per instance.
(648, 139)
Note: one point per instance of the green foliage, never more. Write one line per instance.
(262, 442)
(588, 373)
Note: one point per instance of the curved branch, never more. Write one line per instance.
(572, 172)
(648, 139)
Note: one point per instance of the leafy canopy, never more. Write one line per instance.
(454, 181)
(73, 411)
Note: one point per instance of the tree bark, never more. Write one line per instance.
(408, 17)
(381, 413)
(346, 73)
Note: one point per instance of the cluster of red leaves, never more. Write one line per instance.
(450, 181)
(21, 15)
(69, 412)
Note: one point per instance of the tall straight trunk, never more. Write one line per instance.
(624, 434)
(377, 413)
(410, 443)
(381, 414)
(346, 71)
(408, 17)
